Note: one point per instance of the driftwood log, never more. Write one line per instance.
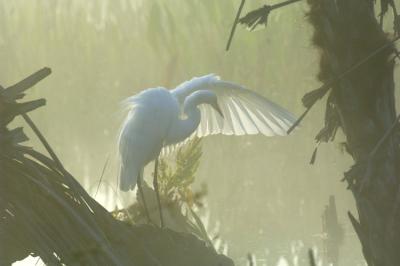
(363, 105)
(45, 212)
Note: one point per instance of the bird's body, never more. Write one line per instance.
(143, 133)
(203, 106)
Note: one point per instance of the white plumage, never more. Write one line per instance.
(159, 119)
(245, 112)
(143, 132)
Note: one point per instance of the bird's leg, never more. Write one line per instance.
(139, 183)
(155, 184)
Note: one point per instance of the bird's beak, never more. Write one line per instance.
(218, 109)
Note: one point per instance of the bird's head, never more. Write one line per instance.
(212, 100)
(206, 97)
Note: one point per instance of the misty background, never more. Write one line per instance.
(262, 192)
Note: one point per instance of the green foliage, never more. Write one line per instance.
(176, 187)
(175, 182)
(177, 196)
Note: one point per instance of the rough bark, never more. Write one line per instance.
(363, 105)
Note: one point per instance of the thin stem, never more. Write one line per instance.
(156, 188)
(42, 139)
(234, 25)
(371, 156)
(334, 80)
(387, 134)
(285, 3)
(141, 193)
(267, 9)
(101, 177)
(295, 124)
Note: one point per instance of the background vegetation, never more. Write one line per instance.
(266, 197)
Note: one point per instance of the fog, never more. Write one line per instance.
(262, 192)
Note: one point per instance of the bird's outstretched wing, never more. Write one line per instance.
(245, 112)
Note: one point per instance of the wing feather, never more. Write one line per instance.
(226, 127)
(264, 119)
(245, 112)
(238, 127)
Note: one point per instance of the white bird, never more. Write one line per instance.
(159, 119)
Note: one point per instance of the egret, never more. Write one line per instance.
(159, 120)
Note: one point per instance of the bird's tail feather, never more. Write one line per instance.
(128, 177)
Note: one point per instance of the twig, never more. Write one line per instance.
(18, 88)
(371, 156)
(387, 134)
(13, 91)
(260, 15)
(42, 139)
(101, 177)
(234, 25)
(333, 81)
(283, 4)
(265, 10)
(297, 122)
(201, 227)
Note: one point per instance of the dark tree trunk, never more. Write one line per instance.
(363, 105)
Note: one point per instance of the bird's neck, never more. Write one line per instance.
(181, 129)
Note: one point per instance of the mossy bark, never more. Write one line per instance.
(346, 31)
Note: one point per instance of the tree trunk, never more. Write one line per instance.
(363, 105)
